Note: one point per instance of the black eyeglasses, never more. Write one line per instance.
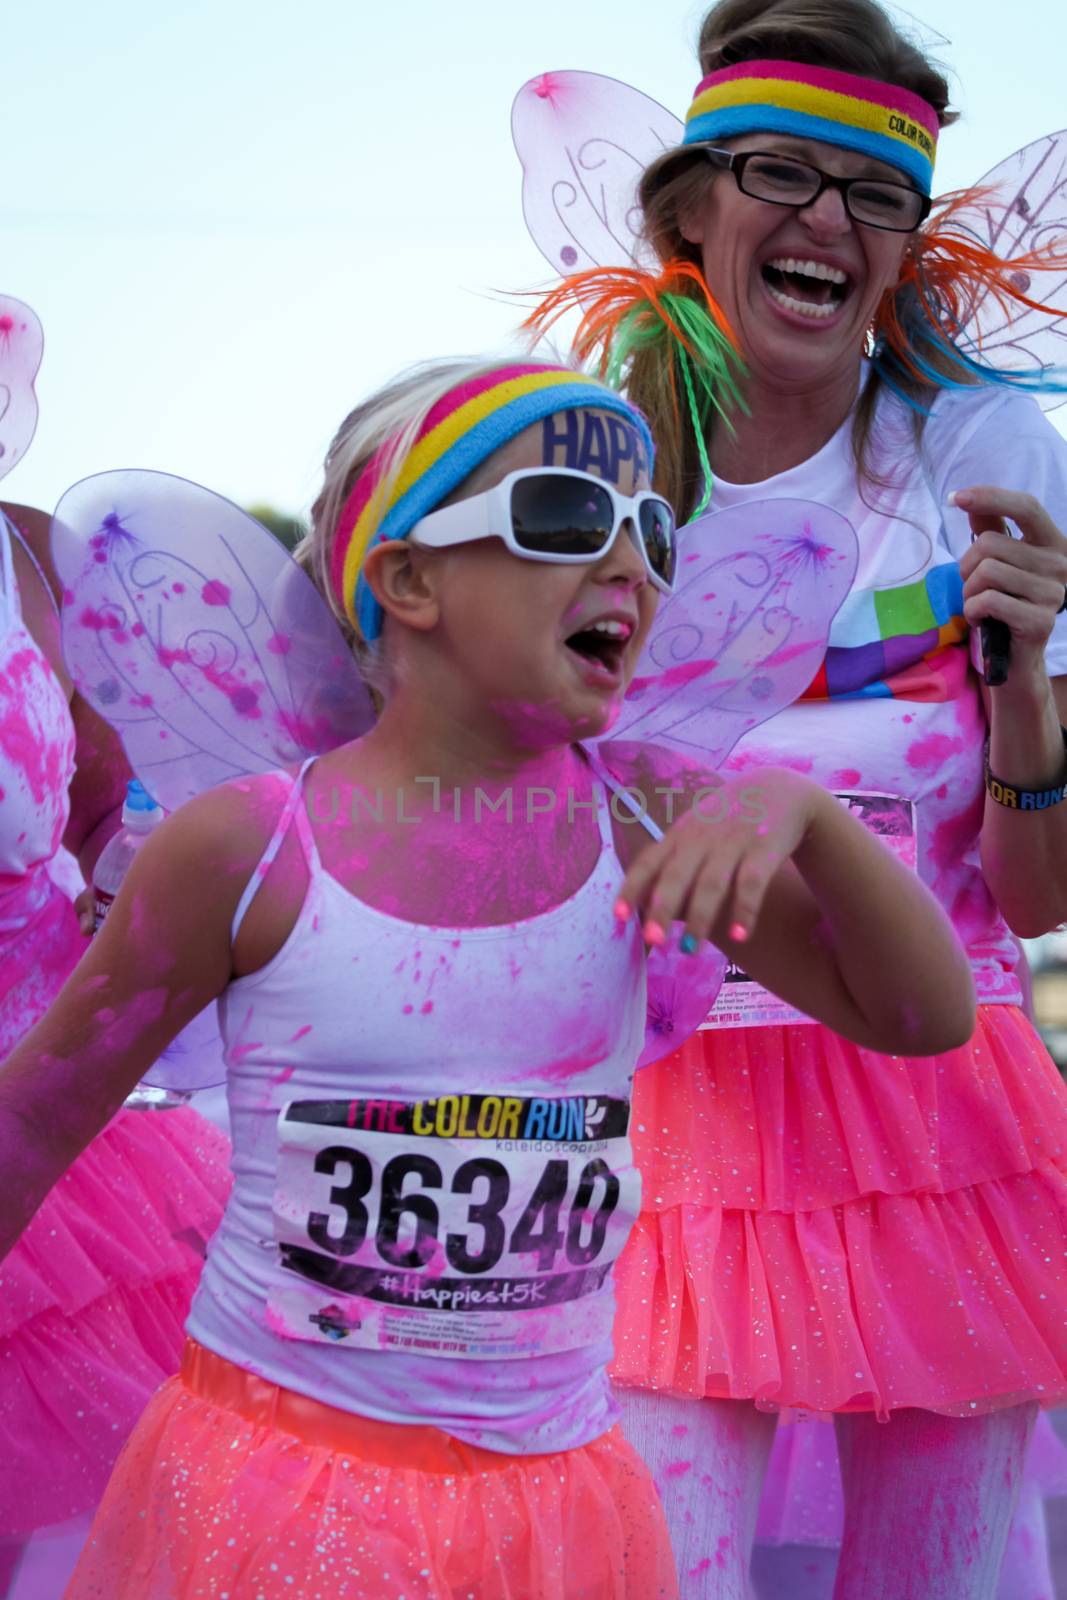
(781, 181)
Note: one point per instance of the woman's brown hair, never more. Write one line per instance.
(854, 36)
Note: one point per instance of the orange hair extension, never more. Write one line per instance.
(943, 277)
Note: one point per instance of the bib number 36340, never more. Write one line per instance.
(470, 1225)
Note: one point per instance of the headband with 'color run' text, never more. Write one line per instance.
(882, 121)
(460, 431)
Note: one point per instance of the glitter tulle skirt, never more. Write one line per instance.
(231, 1485)
(93, 1301)
(828, 1229)
(94, 1296)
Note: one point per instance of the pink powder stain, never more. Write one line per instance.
(98, 620)
(677, 1469)
(241, 1050)
(679, 1431)
(279, 644)
(179, 588)
(937, 749)
(426, 1008)
(847, 778)
(142, 700)
(300, 1033)
(701, 1566)
(283, 1076)
(138, 630)
(214, 593)
(408, 1009)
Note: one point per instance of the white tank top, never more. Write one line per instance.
(432, 1170)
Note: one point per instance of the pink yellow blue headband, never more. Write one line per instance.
(882, 121)
(461, 431)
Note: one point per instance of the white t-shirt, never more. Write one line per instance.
(904, 726)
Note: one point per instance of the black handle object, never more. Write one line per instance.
(996, 651)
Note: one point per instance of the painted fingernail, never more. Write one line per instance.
(689, 944)
(622, 911)
(958, 497)
(653, 934)
(738, 932)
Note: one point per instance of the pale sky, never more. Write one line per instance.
(235, 217)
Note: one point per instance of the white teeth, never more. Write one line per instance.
(617, 630)
(809, 269)
(805, 308)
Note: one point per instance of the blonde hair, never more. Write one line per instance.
(854, 36)
(394, 415)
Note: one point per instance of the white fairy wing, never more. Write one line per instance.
(192, 631)
(21, 347)
(584, 141)
(741, 638)
(744, 632)
(1023, 208)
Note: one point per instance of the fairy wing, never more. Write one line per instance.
(741, 637)
(583, 141)
(745, 630)
(192, 631)
(21, 348)
(1022, 207)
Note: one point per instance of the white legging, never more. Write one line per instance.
(928, 1499)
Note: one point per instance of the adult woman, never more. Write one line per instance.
(94, 1297)
(824, 1228)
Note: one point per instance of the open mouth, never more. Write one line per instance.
(807, 288)
(602, 644)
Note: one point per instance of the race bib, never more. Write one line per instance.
(742, 1003)
(474, 1225)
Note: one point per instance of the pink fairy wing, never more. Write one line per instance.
(741, 638)
(1023, 208)
(21, 347)
(584, 141)
(196, 636)
(744, 632)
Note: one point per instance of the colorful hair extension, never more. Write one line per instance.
(460, 431)
(892, 125)
(921, 325)
(627, 311)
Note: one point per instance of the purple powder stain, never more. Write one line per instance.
(279, 644)
(568, 255)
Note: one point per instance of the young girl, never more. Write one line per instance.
(396, 1377)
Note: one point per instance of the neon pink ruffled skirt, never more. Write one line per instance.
(827, 1229)
(232, 1486)
(93, 1301)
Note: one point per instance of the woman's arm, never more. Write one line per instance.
(101, 768)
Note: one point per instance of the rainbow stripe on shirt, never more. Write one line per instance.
(895, 643)
(892, 125)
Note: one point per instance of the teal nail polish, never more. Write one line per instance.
(689, 944)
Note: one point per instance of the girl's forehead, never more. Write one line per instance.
(591, 440)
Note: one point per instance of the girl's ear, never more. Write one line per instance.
(400, 577)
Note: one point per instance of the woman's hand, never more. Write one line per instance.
(1021, 582)
(712, 868)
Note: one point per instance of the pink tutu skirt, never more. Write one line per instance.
(828, 1229)
(232, 1486)
(93, 1301)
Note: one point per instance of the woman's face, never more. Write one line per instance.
(799, 287)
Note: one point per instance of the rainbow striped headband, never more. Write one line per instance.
(461, 431)
(882, 121)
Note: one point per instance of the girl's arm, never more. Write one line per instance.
(797, 892)
(162, 955)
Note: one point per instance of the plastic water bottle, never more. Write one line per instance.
(140, 815)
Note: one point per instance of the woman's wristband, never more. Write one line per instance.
(1005, 794)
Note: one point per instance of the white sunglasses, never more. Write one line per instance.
(558, 515)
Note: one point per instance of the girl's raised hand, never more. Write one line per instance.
(712, 868)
